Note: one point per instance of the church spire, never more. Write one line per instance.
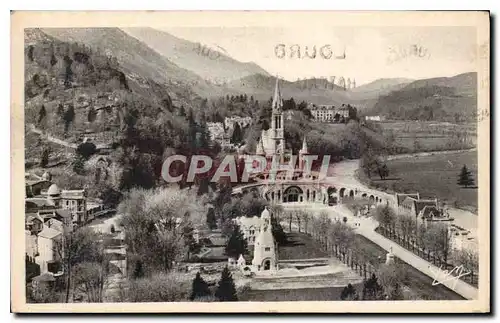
(304, 149)
(277, 101)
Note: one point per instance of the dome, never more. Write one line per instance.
(53, 190)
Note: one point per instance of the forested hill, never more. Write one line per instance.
(72, 89)
(139, 61)
(440, 99)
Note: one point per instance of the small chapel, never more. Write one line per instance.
(265, 249)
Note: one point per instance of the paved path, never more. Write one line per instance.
(366, 227)
(64, 143)
(345, 171)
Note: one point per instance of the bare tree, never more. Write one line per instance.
(158, 223)
(392, 277)
(406, 225)
(81, 245)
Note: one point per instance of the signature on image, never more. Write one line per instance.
(441, 276)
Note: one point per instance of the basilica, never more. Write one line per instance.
(272, 141)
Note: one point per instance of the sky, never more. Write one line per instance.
(371, 52)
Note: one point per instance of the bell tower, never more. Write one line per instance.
(265, 250)
(277, 126)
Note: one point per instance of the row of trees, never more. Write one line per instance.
(431, 240)
(336, 237)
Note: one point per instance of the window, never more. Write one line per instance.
(267, 249)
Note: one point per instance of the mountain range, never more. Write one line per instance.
(210, 63)
(444, 98)
(191, 70)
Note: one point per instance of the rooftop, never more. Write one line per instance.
(49, 233)
(401, 197)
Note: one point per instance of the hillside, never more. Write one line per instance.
(383, 85)
(63, 76)
(312, 91)
(138, 61)
(210, 64)
(442, 99)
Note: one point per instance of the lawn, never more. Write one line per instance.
(428, 135)
(300, 246)
(433, 177)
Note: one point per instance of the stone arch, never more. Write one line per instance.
(372, 198)
(266, 264)
(364, 195)
(341, 192)
(331, 190)
(292, 194)
(351, 193)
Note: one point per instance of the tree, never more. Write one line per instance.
(226, 290)
(158, 224)
(91, 115)
(91, 278)
(465, 178)
(236, 245)
(42, 113)
(200, 288)
(158, 287)
(383, 171)
(385, 216)
(237, 135)
(369, 162)
(277, 230)
(86, 150)
(78, 165)
(44, 158)
(81, 245)
(372, 290)
(211, 220)
(68, 117)
(138, 269)
(407, 226)
(60, 111)
(110, 197)
(391, 278)
(436, 238)
(349, 293)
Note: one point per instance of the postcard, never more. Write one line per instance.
(250, 162)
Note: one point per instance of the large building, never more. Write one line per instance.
(329, 113)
